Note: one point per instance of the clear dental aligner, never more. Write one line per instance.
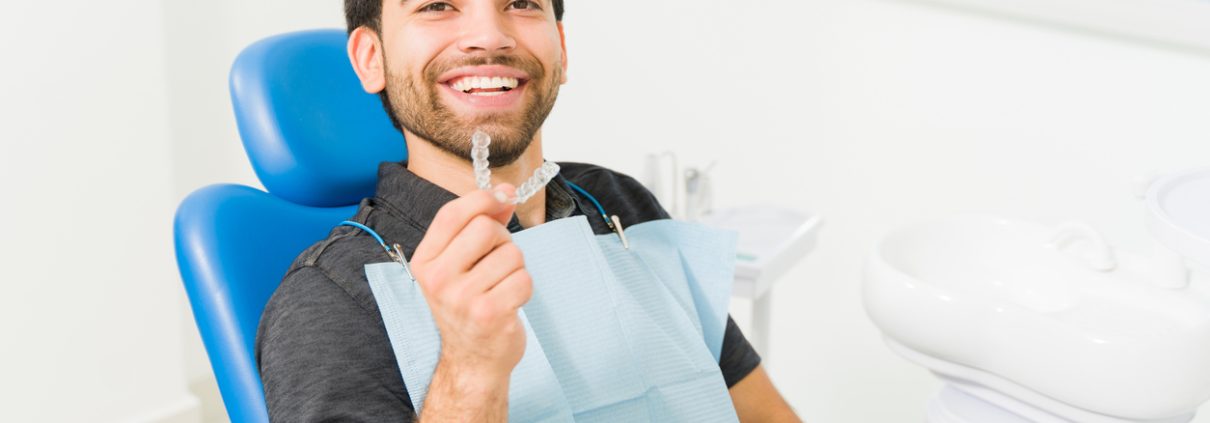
(483, 176)
(479, 143)
(542, 175)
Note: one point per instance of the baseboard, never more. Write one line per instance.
(205, 389)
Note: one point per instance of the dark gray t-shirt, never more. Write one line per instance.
(321, 347)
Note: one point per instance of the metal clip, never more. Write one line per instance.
(608, 222)
(617, 227)
(398, 256)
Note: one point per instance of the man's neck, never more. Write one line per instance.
(456, 175)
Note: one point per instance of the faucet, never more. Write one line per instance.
(1099, 257)
(1165, 267)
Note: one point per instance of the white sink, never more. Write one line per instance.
(1050, 316)
(1178, 214)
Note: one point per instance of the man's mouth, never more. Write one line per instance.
(485, 86)
(482, 88)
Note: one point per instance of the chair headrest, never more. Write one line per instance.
(312, 134)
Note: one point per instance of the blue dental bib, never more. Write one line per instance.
(612, 334)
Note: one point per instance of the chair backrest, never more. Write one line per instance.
(313, 135)
(315, 139)
(234, 244)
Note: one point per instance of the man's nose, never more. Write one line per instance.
(486, 32)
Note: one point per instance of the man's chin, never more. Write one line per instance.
(498, 125)
(500, 130)
(474, 116)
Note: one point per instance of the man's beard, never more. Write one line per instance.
(417, 107)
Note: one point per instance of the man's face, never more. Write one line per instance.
(455, 66)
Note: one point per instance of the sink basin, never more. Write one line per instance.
(1178, 215)
(1074, 336)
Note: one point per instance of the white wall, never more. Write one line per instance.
(876, 114)
(90, 303)
(873, 114)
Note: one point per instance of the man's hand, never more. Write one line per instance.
(474, 279)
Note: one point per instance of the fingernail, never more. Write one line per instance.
(500, 196)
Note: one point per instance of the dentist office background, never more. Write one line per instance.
(872, 114)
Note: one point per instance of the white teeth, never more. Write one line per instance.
(482, 82)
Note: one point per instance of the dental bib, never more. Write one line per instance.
(613, 333)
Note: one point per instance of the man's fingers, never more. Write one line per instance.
(507, 192)
(514, 291)
(476, 240)
(502, 261)
(455, 215)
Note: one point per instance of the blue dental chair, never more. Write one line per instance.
(315, 140)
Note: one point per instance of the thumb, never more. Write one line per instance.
(505, 193)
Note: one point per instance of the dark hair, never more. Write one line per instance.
(359, 13)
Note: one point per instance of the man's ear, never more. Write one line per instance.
(365, 53)
(563, 43)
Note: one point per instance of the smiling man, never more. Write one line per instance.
(445, 69)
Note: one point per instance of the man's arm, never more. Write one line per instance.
(756, 400)
(475, 281)
(459, 394)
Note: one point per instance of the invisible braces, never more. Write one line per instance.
(483, 176)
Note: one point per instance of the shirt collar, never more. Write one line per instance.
(416, 200)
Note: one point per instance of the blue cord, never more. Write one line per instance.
(397, 255)
(369, 231)
(590, 198)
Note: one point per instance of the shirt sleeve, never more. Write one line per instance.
(738, 358)
(322, 357)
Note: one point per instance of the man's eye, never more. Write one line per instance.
(437, 7)
(526, 4)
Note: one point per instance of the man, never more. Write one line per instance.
(443, 70)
